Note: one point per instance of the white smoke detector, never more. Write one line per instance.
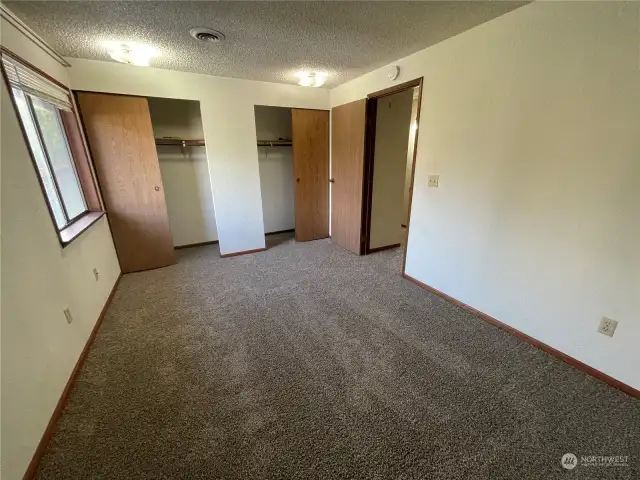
(394, 72)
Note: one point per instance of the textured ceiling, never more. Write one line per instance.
(266, 41)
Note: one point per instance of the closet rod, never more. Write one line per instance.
(181, 142)
(274, 143)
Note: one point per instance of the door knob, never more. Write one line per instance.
(156, 188)
(331, 180)
(297, 180)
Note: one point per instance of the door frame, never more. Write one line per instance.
(369, 155)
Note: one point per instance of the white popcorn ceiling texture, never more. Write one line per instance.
(267, 41)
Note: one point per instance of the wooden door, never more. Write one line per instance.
(122, 144)
(310, 132)
(347, 171)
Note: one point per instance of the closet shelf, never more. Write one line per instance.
(181, 142)
(274, 143)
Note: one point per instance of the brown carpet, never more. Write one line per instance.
(306, 362)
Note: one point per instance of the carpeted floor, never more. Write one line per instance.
(308, 362)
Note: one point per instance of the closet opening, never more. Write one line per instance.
(182, 156)
(275, 160)
(392, 117)
(151, 166)
(293, 158)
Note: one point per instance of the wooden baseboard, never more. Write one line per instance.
(64, 398)
(213, 242)
(201, 244)
(628, 389)
(386, 247)
(246, 252)
(281, 231)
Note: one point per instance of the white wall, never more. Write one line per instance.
(532, 122)
(185, 172)
(39, 349)
(393, 122)
(227, 107)
(276, 169)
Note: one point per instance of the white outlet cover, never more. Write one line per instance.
(607, 326)
(433, 180)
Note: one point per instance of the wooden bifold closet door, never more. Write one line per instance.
(122, 144)
(347, 170)
(310, 135)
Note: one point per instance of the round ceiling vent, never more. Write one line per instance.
(207, 35)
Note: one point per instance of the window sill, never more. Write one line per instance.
(73, 231)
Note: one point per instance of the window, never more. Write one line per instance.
(45, 111)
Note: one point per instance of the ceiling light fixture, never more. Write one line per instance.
(132, 53)
(312, 79)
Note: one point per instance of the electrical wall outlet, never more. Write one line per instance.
(67, 314)
(607, 326)
(96, 273)
(433, 181)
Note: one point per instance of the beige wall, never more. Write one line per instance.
(393, 122)
(531, 120)
(276, 169)
(185, 172)
(39, 278)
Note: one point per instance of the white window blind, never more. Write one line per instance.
(22, 77)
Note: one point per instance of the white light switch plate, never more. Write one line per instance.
(433, 180)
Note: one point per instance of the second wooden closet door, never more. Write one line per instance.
(310, 131)
(347, 169)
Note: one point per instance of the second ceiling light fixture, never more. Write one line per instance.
(312, 79)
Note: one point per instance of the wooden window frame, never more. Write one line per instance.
(80, 155)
